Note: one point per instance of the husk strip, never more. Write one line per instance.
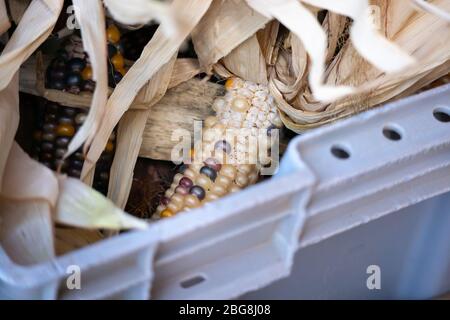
(157, 53)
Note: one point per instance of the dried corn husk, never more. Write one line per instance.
(91, 19)
(218, 34)
(27, 37)
(142, 11)
(412, 31)
(432, 9)
(26, 231)
(4, 20)
(81, 206)
(17, 8)
(157, 53)
(129, 136)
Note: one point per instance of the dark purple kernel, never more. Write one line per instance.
(165, 201)
(65, 120)
(62, 142)
(76, 164)
(49, 127)
(209, 172)
(73, 80)
(49, 136)
(57, 73)
(59, 153)
(213, 164)
(186, 182)
(78, 155)
(76, 64)
(198, 191)
(50, 117)
(57, 84)
(46, 146)
(70, 112)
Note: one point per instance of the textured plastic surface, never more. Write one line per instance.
(248, 240)
(411, 248)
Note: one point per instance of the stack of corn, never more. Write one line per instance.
(230, 147)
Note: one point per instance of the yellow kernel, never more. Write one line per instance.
(109, 147)
(166, 213)
(118, 61)
(113, 34)
(86, 74)
(65, 130)
(229, 83)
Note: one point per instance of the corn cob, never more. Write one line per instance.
(54, 129)
(226, 165)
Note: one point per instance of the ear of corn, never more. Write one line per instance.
(229, 149)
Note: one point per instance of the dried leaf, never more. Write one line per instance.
(247, 62)
(4, 20)
(26, 231)
(157, 53)
(433, 9)
(91, 19)
(129, 136)
(81, 206)
(27, 37)
(142, 11)
(226, 25)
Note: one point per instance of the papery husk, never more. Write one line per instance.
(26, 231)
(414, 31)
(247, 62)
(370, 44)
(90, 17)
(143, 11)
(17, 8)
(129, 136)
(156, 53)
(27, 179)
(428, 7)
(9, 122)
(81, 206)
(28, 36)
(183, 70)
(28, 192)
(225, 26)
(4, 19)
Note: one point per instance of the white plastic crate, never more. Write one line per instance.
(248, 240)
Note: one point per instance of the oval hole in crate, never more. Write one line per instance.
(340, 152)
(442, 114)
(392, 132)
(192, 281)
